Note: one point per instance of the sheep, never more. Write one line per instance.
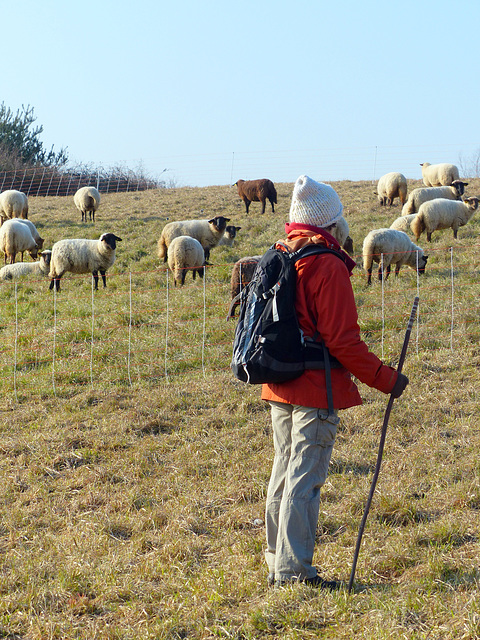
(83, 256)
(443, 214)
(16, 237)
(87, 199)
(20, 269)
(242, 273)
(390, 186)
(207, 232)
(185, 253)
(418, 196)
(402, 223)
(229, 235)
(396, 248)
(13, 204)
(33, 230)
(340, 231)
(257, 191)
(436, 175)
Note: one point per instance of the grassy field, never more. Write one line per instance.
(134, 467)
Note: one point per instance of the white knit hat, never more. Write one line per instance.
(314, 203)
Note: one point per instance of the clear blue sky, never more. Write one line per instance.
(216, 91)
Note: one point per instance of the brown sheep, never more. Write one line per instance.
(242, 273)
(257, 191)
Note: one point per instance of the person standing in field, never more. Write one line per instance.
(304, 429)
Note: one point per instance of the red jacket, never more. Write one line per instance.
(325, 303)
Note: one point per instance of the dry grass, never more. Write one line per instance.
(132, 508)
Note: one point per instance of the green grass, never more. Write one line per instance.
(134, 467)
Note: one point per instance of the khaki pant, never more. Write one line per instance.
(303, 440)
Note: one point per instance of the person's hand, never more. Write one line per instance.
(399, 386)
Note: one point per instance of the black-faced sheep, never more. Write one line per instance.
(16, 237)
(83, 256)
(390, 186)
(21, 269)
(257, 191)
(229, 235)
(396, 248)
(207, 232)
(185, 253)
(13, 204)
(443, 214)
(418, 196)
(436, 175)
(87, 200)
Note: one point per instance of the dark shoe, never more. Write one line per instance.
(320, 583)
(316, 581)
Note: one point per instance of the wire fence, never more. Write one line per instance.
(139, 330)
(51, 181)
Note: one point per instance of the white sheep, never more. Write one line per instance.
(83, 256)
(16, 237)
(207, 232)
(391, 247)
(418, 196)
(185, 253)
(402, 223)
(390, 186)
(341, 232)
(20, 269)
(33, 230)
(229, 235)
(436, 175)
(13, 204)
(443, 214)
(87, 199)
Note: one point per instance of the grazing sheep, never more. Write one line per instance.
(443, 214)
(257, 191)
(436, 175)
(242, 273)
(185, 253)
(229, 235)
(403, 223)
(418, 196)
(207, 232)
(16, 237)
(83, 256)
(395, 247)
(13, 204)
(20, 269)
(340, 231)
(390, 186)
(87, 199)
(33, 230)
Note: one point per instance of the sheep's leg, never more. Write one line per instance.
(380, 274)
(55, 282)
(397, 270)
(104, 277)
(429, 236)
(95, 277)
(263, 206)
(455, 231)
(369, 279)
(273, 208)
(388, 272)
(247, 203)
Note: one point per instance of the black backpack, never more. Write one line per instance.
(269, 345)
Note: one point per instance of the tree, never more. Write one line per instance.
(20, 145)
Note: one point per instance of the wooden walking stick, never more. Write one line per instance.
(381, 445)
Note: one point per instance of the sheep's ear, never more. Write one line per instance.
(212, 221)
(465, 184)
(117, 239)
(238, 228)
